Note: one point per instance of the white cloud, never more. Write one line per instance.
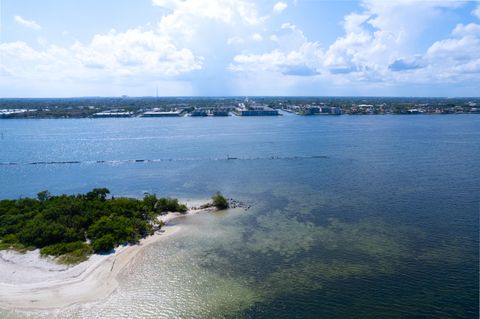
(27, 23)
(257, 37)
(204, 26)
(377, 37)
(279, 7)
(459, 49)
(169, 49)
(274, 38)
(377, 45)
(294, 55)
(476, 12)
(186, 15)
(458, 56)
(353, 22)
(303, 62)
(376, 49)
(20, 60)
(468, 29)
(134, 53)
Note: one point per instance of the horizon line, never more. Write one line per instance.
(240, 96)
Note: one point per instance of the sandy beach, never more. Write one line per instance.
(30, 282)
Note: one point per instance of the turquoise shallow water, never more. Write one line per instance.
(352, 217)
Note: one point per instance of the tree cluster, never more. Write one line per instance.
(73, 226)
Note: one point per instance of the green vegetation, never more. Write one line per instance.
(169, 205)
(219, 201)
(68, 253)
(72, 227)
(104, 243)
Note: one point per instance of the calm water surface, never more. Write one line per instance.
(352, 217)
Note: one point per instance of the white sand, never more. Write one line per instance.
(30, 282)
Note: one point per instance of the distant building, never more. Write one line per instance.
(112, 114)
(175, 113)
(415, 111)
(310, 110)
(220, 112)
(335, 110)
(255, 110)
(199, 112)
(292, 108)
(10, 112)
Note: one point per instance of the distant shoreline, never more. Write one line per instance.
(126, 107)
(301, 115)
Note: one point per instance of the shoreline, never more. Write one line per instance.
(51, 286)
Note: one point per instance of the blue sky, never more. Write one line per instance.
(52, 48)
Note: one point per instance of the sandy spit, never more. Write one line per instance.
(30, 282)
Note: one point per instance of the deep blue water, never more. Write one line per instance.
(353, 216)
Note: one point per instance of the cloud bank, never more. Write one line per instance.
(245, 47)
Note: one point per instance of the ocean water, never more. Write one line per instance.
(351, 216)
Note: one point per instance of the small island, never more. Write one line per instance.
(72, 227)
(56, 251)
